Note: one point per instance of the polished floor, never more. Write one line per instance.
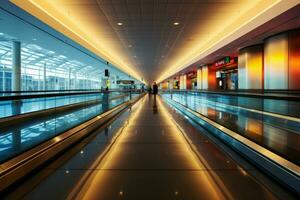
(149, 152)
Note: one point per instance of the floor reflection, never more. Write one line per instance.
(154, 108)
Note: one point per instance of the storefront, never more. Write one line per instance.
(227, 73)
(191, 82)
(176, 83)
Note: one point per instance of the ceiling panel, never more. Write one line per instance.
(148, 43)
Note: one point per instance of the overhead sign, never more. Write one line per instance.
(226, 61)
(125, 82)
(191, 74)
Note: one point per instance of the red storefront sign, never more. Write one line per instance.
(227, 61)
(191, 75)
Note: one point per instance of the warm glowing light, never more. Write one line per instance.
(58, 16)
(176, 23)
(251, 68)
(119, 23)
(276, 62)
(251, 15)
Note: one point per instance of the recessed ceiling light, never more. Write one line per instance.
(130, 46)
(120, 23)
(176, 23)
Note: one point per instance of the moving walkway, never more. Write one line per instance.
(150, 151)
(41, 124)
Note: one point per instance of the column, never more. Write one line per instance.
(199, 79)
(184, 82)
(69, 80)
(204, 77)
(16, 66)
(45, 77)
(75, 81)
(250, 68)
(181, 83)
(276, 62)
(3, 78)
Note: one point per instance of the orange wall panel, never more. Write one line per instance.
(212, 80)
(294, 60)
(188, 83)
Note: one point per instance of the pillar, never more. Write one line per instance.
(75, 81)
(276, 62)
(16, 66)
(250, 68)
(184, 82)
(45, 77)
(199, 79)
(69, 80)
(180, 82)
(204, 77)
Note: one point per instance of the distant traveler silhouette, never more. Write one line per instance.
(155, 88)
(149, 89)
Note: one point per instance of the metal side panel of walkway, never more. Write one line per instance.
(150, 152)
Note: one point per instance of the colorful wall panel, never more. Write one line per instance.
(182, 82)
(276, 62)
(188, 83)
(250, 68)
(204, 78)
(212, 80)
(294, 60)
(199, 78)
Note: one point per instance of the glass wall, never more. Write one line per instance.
(42, 69)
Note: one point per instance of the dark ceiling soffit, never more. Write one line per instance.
(30, 19)
(261, 33)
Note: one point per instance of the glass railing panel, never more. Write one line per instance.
(264, 121)
(19, 138)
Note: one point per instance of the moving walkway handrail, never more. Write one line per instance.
(18, 96)
(28, 116)
(266, 94)
(45, 91)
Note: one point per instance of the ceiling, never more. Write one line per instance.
(148, 45)
(40, 47)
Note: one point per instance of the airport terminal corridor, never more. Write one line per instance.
(150, 152)
(149, 99)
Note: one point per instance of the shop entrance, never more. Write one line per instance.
(227, 73)
(227, 79)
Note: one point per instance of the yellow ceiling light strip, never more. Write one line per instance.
(262, 15)
(44, 11)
